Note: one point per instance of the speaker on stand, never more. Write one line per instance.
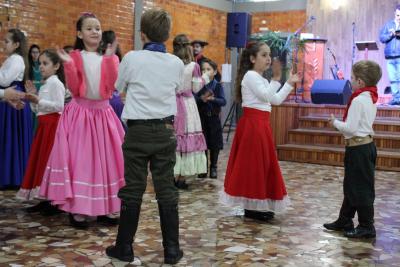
(238, 31)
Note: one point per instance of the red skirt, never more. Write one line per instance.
(253, 177)
(40, 152)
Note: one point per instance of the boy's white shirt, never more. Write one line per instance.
(360, 117)
(150, 80)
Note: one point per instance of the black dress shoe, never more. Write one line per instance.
(259, 215)
(107, 221)
(202, 175)
(340, 225)
(213, 173)
(50, 210)
(181, 184)
(78, 224)
(361, 232)
(38, 207)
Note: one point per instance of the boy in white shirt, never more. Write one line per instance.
(360, 154)
(150, 78)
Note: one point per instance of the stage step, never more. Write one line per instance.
(327, 136)
(388, 160)
(388, 124)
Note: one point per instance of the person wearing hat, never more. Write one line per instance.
(198, 46)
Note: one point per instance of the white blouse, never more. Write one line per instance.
(258, 93)
(12, 70)
(51, 97)
(92, 66)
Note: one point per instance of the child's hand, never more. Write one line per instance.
(331, 120)
(122, 95)
(64, 56)
(32, 98)
(204, 98)
(17, 104)
(111, 48)
(293, 78)
(11, 94)
(30, 87)
(276, 69)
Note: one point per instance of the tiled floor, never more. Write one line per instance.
(210, 233)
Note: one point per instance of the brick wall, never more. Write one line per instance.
(287, 21)
(49, 24)
(198, 23)
(52, 23)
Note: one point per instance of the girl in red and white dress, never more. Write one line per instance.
(253, 177)
(48, 105)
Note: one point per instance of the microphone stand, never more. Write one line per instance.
(353, 55)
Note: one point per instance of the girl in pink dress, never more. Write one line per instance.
(191, 144)
(85, 169)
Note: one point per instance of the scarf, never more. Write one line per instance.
(374, 95)
(156, 47)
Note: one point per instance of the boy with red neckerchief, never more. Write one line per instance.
(360, 153)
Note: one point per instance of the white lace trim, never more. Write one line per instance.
(278, 206)
(87, 184)
(96, 198)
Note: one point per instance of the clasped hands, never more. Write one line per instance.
(15, 98)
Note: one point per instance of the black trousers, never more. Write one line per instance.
(153, 143)
(359, 183)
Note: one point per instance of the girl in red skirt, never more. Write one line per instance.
(253, 178)
(48, 105)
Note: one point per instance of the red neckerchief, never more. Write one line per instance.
(198, 57)
(374, 95)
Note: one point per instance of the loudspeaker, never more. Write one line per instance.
(331, 92)
(238, 29)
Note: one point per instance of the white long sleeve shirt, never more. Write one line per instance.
(12, 70)
(260, 94)
(51, 97)
(360, 117)
(150, 80)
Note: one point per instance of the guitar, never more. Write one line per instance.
(336, 72)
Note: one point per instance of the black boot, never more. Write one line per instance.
(38, 207)
(214, 163)
(169, 220)
(365, 228)
(128, 223)
(345, 220)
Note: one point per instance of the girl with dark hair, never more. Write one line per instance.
(48, 105)
(190, 156)
(34, 74)
(85, 169)
(33, 60)
(15, 125)
(109, 38)
(253, 178)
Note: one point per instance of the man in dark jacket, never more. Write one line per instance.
(390, 36)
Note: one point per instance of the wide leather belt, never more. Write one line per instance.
(358, 140)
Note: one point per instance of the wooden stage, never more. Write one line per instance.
(302, 134)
